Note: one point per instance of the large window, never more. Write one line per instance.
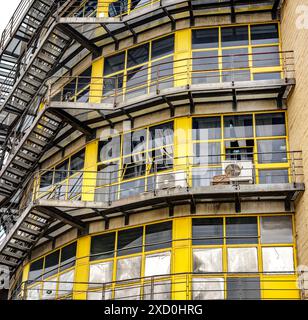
(63, 181)
(119, 256)
(259, 140)
(127, 163)
(232, 252)
(139, 70)
(236, 53)
(52, 276)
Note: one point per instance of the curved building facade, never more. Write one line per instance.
(151, 150)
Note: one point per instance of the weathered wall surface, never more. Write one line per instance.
(294, 29)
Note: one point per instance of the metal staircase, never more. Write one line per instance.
(22, 233)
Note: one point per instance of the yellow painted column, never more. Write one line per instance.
(96, 86)
(25, 276)
(181, 254)
(182, 55)
(82, 268)
(103, 7)
(182, 145)
(90, 172)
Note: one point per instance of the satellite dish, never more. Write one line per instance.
(233, 170)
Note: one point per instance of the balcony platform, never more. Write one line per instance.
(121, 108)
(162, 12)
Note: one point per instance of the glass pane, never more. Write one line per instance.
(203, 177)
(240, 150)
(84, 79)
(66, 283)
(278, 259)
(138, 55)
(206, 128)
(114, 64)
(162, 74)
(157, 291)
(266, 57)
(137, 80)
(158, 236)
(69, 90)
(98, 295)
(243, 289)
(207, 260)
(130, 241)
(102, 246)
(112, 87)
(100, 273)
(128, 268)
(276, 229)
(235, 59)
(267, 76)
(162, 47)
(46, 180)
(205, 38)
(236, 75)
(273, 176)
(242, 260)
(207, 153)
(242, 230)
(208, 289)
(271, 124)
(135, 187)
(68, 256)
(157, 264)
(127, 293)
(36, 270)
(51, 264)
(207, 231)
(234, 36)
(264, 33)
(61, 171)
(272, 151)
(49, 289)
(134, 142)
(33, 293)
(107, 173)
(238, 126)
(77, 161)
(109, 149)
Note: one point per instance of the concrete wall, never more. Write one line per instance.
(294, 38)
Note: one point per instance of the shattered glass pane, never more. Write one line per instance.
(208, 288)
(207, 260)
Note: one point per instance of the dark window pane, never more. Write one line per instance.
(273, 176)
(238, 126)
(46, 179)
(239, 149)
(205, 38)
(242, 230)
(235, 75)
(272, 151)
(77, 161)
(162, 47)
(113, 86)
(266, 57)
(132, 168)
(207, 153)
(84, 79)
(271, 124)
(161, 135)
(158, 236)
(138, 3)
(51, 264)
(68, 256)
(134, 142)
(264, 33)
(235, 59)
(109, 149)
(135, 187)
(61, 171)
(234, 36)
(69, 90)
(114, 64)
(267, 76)
(137, 81)
(207, 231)
(36, 270)
(130, 241)
(243, 289)
(138, 55)
(206, 128)
(205, 67)
(102, 246)
(118, 7)
(162, 74)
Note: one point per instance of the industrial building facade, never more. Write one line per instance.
(154, 150)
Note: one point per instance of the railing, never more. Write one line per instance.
(211, 70)
(186, 286)
(151, 176)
